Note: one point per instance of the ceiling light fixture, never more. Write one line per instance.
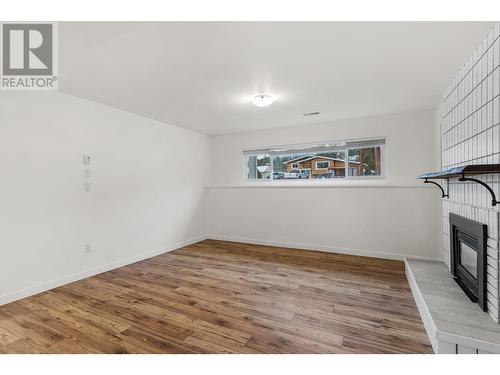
(262, 100)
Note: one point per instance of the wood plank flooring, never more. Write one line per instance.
(224, 297)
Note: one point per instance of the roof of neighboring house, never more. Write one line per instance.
(312, 157)
(299, 158)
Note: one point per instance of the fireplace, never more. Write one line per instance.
(468, 257)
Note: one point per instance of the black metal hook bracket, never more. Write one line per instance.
(443, 194)
(493, 197)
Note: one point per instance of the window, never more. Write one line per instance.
(258, 167)
(367, 159)
(332, 160)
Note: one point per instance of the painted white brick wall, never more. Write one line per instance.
(470, 134)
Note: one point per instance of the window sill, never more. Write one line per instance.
(345, 184)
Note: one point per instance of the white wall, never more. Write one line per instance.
(147, 189)
(410, 148)
(391, 217)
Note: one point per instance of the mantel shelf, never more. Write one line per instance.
(463, 174)
(461, 171)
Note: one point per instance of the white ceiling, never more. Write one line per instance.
(201, 75)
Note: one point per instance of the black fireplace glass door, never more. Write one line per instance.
(468, 259)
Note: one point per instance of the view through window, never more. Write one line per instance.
(320, 161)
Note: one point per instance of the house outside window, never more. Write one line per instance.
(322, 164)
(329, 160)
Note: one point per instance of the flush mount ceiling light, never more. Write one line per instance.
(262, 100)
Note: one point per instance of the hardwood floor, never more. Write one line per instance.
(225, 297)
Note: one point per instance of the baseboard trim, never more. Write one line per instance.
(43, 287)
(313, 247)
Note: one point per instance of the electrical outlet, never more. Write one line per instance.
(87, 187)
(86, 173)
(87, 248)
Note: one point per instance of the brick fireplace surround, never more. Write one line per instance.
(470, 134)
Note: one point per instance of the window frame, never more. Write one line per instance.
(382, 162)
(330, 146)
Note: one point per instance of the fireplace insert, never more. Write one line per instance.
(468, 257)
